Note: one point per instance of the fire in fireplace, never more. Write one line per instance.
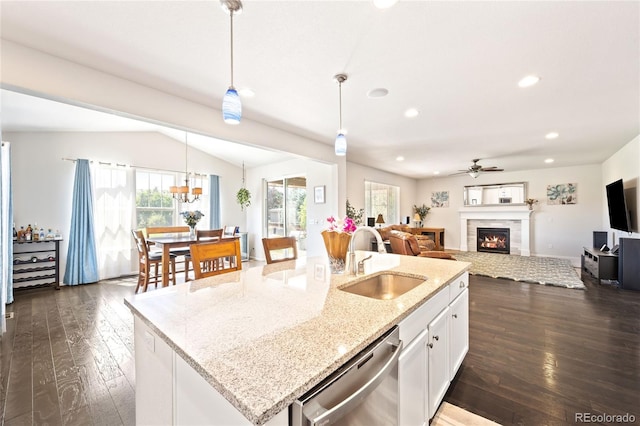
(493, 240)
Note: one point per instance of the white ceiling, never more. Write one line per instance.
(458, 63)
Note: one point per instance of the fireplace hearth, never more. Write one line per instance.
(493, 240)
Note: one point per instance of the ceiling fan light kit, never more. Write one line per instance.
(475, 169)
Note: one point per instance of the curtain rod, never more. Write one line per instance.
(105, 163)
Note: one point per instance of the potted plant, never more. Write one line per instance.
(421, 211)
(243, 197)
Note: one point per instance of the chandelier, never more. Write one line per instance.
(181, 193)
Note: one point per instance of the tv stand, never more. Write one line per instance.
(601, 265)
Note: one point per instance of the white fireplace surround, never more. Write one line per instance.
(515, 213)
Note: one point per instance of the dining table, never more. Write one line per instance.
(168, 242)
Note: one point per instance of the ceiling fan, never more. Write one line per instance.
(475, 169)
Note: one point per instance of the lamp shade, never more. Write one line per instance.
(380, 219)
(341, 144)
(416, 217)
(231, 107)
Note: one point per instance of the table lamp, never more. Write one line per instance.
(380, 220)
(416, 219)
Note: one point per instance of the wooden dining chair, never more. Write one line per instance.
(204, 254)
(209, 235)
(149, 263)
(183, 253)
(286, 246)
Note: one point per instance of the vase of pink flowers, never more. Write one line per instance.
(336, 241)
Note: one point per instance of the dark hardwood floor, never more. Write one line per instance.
(537, 356)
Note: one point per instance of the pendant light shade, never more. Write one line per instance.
(341, 145)
(231, 105)
(341, 140)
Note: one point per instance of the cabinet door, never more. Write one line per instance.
(459, 331)
(412, 382)
(154, 377)
(438, 360)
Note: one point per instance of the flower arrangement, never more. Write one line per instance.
(348, 225)
(192, 218)
(530, 202)
(422, 211)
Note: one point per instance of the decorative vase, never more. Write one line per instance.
(337, 244)
(192, 232)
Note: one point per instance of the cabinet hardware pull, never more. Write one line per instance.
(455, 315)
(436, 337)
(430, 345)
(461, 284)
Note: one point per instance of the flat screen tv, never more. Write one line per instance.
(618, 213)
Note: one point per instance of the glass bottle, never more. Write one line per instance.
(15, 233)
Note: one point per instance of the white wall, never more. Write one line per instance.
(625, 165)
(317, 174)
(43, 182)
(556, 230)
(358, 174)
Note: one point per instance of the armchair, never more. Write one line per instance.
(424, 242)
(407, 244)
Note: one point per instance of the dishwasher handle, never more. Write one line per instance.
(330, 416)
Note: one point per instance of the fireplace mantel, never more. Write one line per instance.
(519, 213)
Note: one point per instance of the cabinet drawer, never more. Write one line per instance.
(417, 321)
(458, 285)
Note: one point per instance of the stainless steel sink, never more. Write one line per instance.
(384, 286)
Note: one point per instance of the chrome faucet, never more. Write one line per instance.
(352, 251)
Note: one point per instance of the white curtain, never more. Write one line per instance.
(6, 233)
(114, 210)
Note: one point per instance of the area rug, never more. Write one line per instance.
(539, 270)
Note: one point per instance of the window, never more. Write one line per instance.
(154, 204)
(383, 199)
(156, 207)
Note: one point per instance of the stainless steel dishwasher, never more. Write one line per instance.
(364, 391)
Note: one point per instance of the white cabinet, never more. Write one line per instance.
(154, 377)
(459, 331)
(438, 361)
(412, 383)
(436, 337)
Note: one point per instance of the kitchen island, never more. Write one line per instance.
(239, 348)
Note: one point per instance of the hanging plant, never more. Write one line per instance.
(243, 197)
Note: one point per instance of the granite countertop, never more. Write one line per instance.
(264, 336)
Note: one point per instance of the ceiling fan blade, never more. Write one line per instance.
(492, 170)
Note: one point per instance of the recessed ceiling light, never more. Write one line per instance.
(529, 81)
(246, 93)
(436, 172)
(384, 4)
(411, 113)
(380, 92)
(552, 135)
(549, 160)
(399, 158)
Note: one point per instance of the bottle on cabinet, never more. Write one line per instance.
(15, 233)
(28, 233)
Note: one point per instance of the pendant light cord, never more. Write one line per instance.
(231, 16)
(340, 108)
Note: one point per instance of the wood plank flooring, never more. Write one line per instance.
(537, 356)
(540, 354)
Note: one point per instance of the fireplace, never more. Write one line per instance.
(493, 240)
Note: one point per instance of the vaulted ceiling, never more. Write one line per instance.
(457, 63)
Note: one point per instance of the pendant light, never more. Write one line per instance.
(181, 193)
(231, 105)
(341, 140)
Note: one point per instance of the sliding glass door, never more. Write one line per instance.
(286, 208)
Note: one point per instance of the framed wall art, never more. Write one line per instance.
(318, 194)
